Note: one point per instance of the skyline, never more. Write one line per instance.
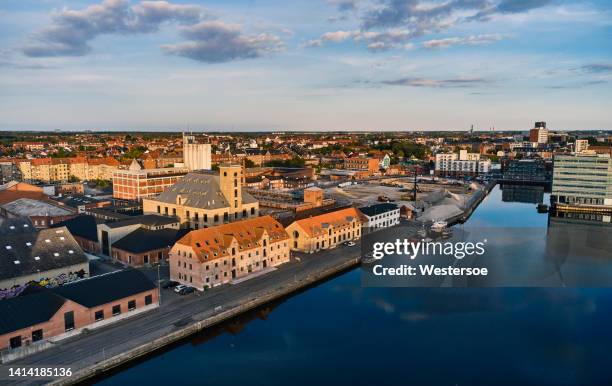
(322, 65)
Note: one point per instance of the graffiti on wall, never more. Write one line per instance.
(44, 282)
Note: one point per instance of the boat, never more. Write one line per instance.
(542, 208)
(438, 226)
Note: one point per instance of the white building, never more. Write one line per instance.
(381, 215)
(463, 163)
(196, 155)
(581, 145)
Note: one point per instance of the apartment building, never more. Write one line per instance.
(582, 180)
(61, 169)
(137, 183)
(203, 199)
(462, 164)
(369, 164)
(213, 256)
(325, 231)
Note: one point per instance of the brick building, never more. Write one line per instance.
(325, 231)
(65, 311)
(137, 183)
(209, 257)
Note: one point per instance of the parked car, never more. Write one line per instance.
(351, 244)
(179, 288)
(186, 290)
(170, 284)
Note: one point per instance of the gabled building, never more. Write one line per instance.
(209, 257)
(325, 231)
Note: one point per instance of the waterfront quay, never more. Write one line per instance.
(100, 350)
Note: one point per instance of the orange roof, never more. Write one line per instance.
(316, 225)
(212, 243)
(58, 161)
(103, 161)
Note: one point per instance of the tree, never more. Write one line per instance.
(248, 163)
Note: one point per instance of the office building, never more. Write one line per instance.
(137, 183)
(582, 181)
(539, 134)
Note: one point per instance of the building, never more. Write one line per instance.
(196, 155)
(582, 181)
(9, 172)
(43, 314)
(63, 169)
(42, 213)
(49, 257)
(462, 164)
(380, 215)
(201, 200)
(80, 203)
(209, 257)
(137, 183)
(539, 134)
(84, 229)
(581, 145)
(325, 231)
(111, 232)
(368, 164)
(526, 170)
(144, 246)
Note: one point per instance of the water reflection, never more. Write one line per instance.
(342, 333)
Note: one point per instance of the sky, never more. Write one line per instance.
(316, 65)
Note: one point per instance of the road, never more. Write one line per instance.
(176, 312)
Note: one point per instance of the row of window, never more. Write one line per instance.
(69, 323)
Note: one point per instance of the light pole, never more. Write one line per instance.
(158, 286)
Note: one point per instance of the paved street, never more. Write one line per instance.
(176, 312)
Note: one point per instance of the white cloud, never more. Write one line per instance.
(471, 40)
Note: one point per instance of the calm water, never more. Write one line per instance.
(341, 333)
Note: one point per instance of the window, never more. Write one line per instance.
(148, 300)
(252, 211)
(131, 305)
(37, 335)
(116, 309)
(99, 315)
(15, 342)
(69, 320)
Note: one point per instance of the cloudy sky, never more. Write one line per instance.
(305, 64)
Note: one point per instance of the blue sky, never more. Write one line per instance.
(305, 65)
